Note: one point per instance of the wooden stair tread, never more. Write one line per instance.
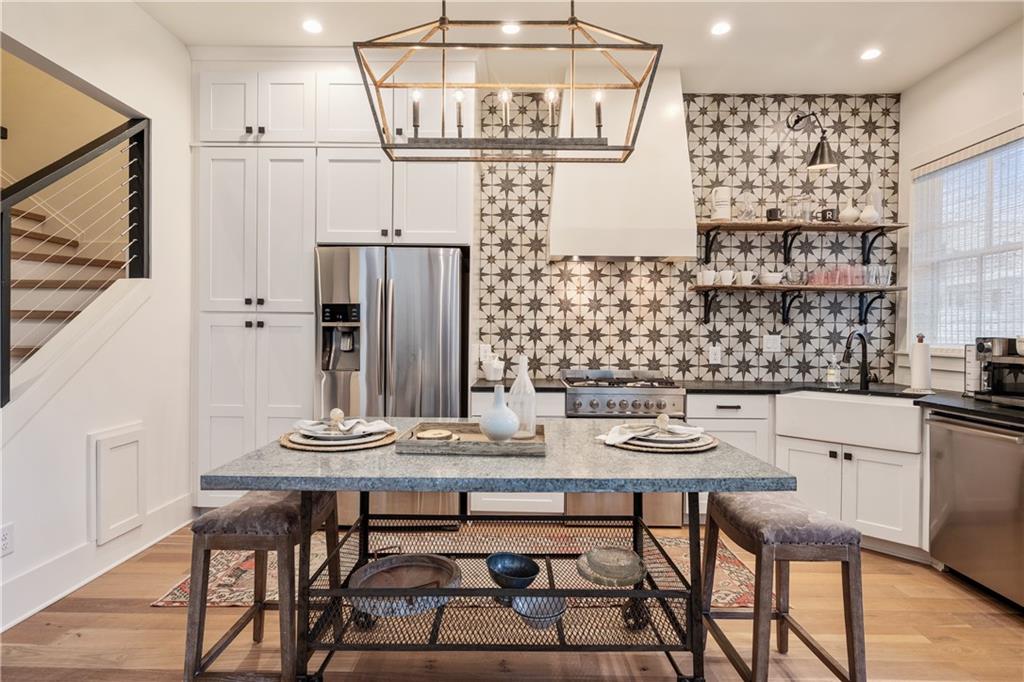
(40, 236)
(50, 315)
(61, 259)
(23, 351)
(61, 283)
(27, 215)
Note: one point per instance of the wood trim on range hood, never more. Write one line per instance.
(641, 209)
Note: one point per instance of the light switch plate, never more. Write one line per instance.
(771, 343)
(715, 355)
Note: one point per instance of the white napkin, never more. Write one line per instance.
(625, 432)
(356, 427)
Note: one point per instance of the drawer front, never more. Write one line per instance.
(727, 406)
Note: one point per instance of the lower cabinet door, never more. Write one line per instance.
(882, 493)
(818, 470)
(225, 397)
(284, 372)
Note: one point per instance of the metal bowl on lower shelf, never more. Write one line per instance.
(512, 571)
(539, 613)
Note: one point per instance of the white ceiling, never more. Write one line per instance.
(774, 47)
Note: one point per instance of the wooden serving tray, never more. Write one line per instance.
(471, 441)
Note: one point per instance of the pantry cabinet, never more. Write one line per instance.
(343, 111)
(256, 229)
(254, 379)
(257, 106)
(876, 491)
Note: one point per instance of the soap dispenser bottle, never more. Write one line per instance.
(523, 401)
(833, 373)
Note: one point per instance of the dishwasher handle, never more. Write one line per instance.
(977, 430)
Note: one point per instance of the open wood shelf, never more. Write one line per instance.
(853, 289)
(784, 225)
(791, 292)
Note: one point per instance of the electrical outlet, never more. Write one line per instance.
(771, 343)
(715, 355)
(6, 539)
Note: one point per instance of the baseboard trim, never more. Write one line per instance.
(169, 517)
(894, 549)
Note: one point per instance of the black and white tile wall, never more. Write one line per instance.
(643, 315)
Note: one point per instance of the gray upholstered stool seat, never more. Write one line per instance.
(260, 513)
(780, 518)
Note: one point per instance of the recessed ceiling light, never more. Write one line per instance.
(312, 26)
(870, 53)
(721, 28)
(510, 28)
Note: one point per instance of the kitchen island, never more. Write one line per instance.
(662, 613)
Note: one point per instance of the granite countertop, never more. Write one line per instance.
(575, 462)
(749, 387)
(954, 402)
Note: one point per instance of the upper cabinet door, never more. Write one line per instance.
(226, 228)
(343, 111)
(353, 198)
(287, 106)
(286, 231)
(434, 203)
(285, 365)
(227, 106)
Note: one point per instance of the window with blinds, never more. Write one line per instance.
(967, 248)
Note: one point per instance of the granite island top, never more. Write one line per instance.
(750, 387)
(575, 462)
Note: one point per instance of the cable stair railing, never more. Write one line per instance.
(69, 231)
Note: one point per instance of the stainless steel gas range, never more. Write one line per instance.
(619, 393)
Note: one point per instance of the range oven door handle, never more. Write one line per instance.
(977, 430)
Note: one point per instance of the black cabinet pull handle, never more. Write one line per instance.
(261, 130)
(248, 301)
(728, 407)
(248, 324)
(383, 233)
(848, 456)
(248, 130)
(833, 454)
(398, 232)
(259, 324)
(398, 131)
(259, 301)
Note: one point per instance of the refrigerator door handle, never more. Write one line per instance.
(381, 359)
(391, 336)
(323, 384)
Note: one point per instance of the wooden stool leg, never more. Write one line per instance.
(782, 604)
(198, 586)
(762, 612)
(259, 594)
(286, 606)
(710, 560)
(853, 607)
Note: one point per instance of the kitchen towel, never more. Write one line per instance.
(356, 427)
(625, 432)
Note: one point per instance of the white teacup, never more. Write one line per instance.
(726, 277)
(771, 278)
(706, 278)
(746, 277)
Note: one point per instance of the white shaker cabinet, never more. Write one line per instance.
(818, 470)
(353, 196)
(343, 111)
(254, 378)
(433, 203)
(257, 106)
(256, 229)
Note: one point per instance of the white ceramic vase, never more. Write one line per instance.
(850, 213)
(522, 400)
(870, 215)
(499, 422)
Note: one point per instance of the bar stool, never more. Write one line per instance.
(261, 522)
(777, 528)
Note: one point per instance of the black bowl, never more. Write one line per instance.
(512, 571)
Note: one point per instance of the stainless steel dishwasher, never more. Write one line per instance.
(977, 500)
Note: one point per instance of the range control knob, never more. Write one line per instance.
(648, 404)
(624, 404)
(595, 403)
(611, 404)
(661, 404)
(636, 404)
(577, 404)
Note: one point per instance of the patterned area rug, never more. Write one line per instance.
(232, 573)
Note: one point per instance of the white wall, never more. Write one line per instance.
(141, 374)
(969, 99)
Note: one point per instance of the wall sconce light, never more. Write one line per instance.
(822, 158)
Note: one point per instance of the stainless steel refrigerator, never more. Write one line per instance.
(392, 330)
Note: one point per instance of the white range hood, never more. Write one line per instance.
(640, 209)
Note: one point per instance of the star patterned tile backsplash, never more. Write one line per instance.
(642, 315)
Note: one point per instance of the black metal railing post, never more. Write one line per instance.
(138, 203)
(5, 307)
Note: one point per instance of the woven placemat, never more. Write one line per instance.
(681, 450)
(337, 447)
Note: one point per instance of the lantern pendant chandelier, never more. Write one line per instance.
(591, 113)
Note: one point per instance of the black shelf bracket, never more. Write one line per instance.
(788, 240)
(788, 299)
(710, 296)
(865, 303)
(867, 243)
(710, 237)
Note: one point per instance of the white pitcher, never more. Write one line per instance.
(721, 203)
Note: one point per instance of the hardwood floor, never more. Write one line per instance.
(921, 625)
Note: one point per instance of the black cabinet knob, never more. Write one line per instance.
(398, 131)
(833, 454)
(261, 130)
(248, 301)
(248, 130)
(383, 233)
(398, 232)
(848, 456)
(259, 301)
(259, 324)
(248, 324)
